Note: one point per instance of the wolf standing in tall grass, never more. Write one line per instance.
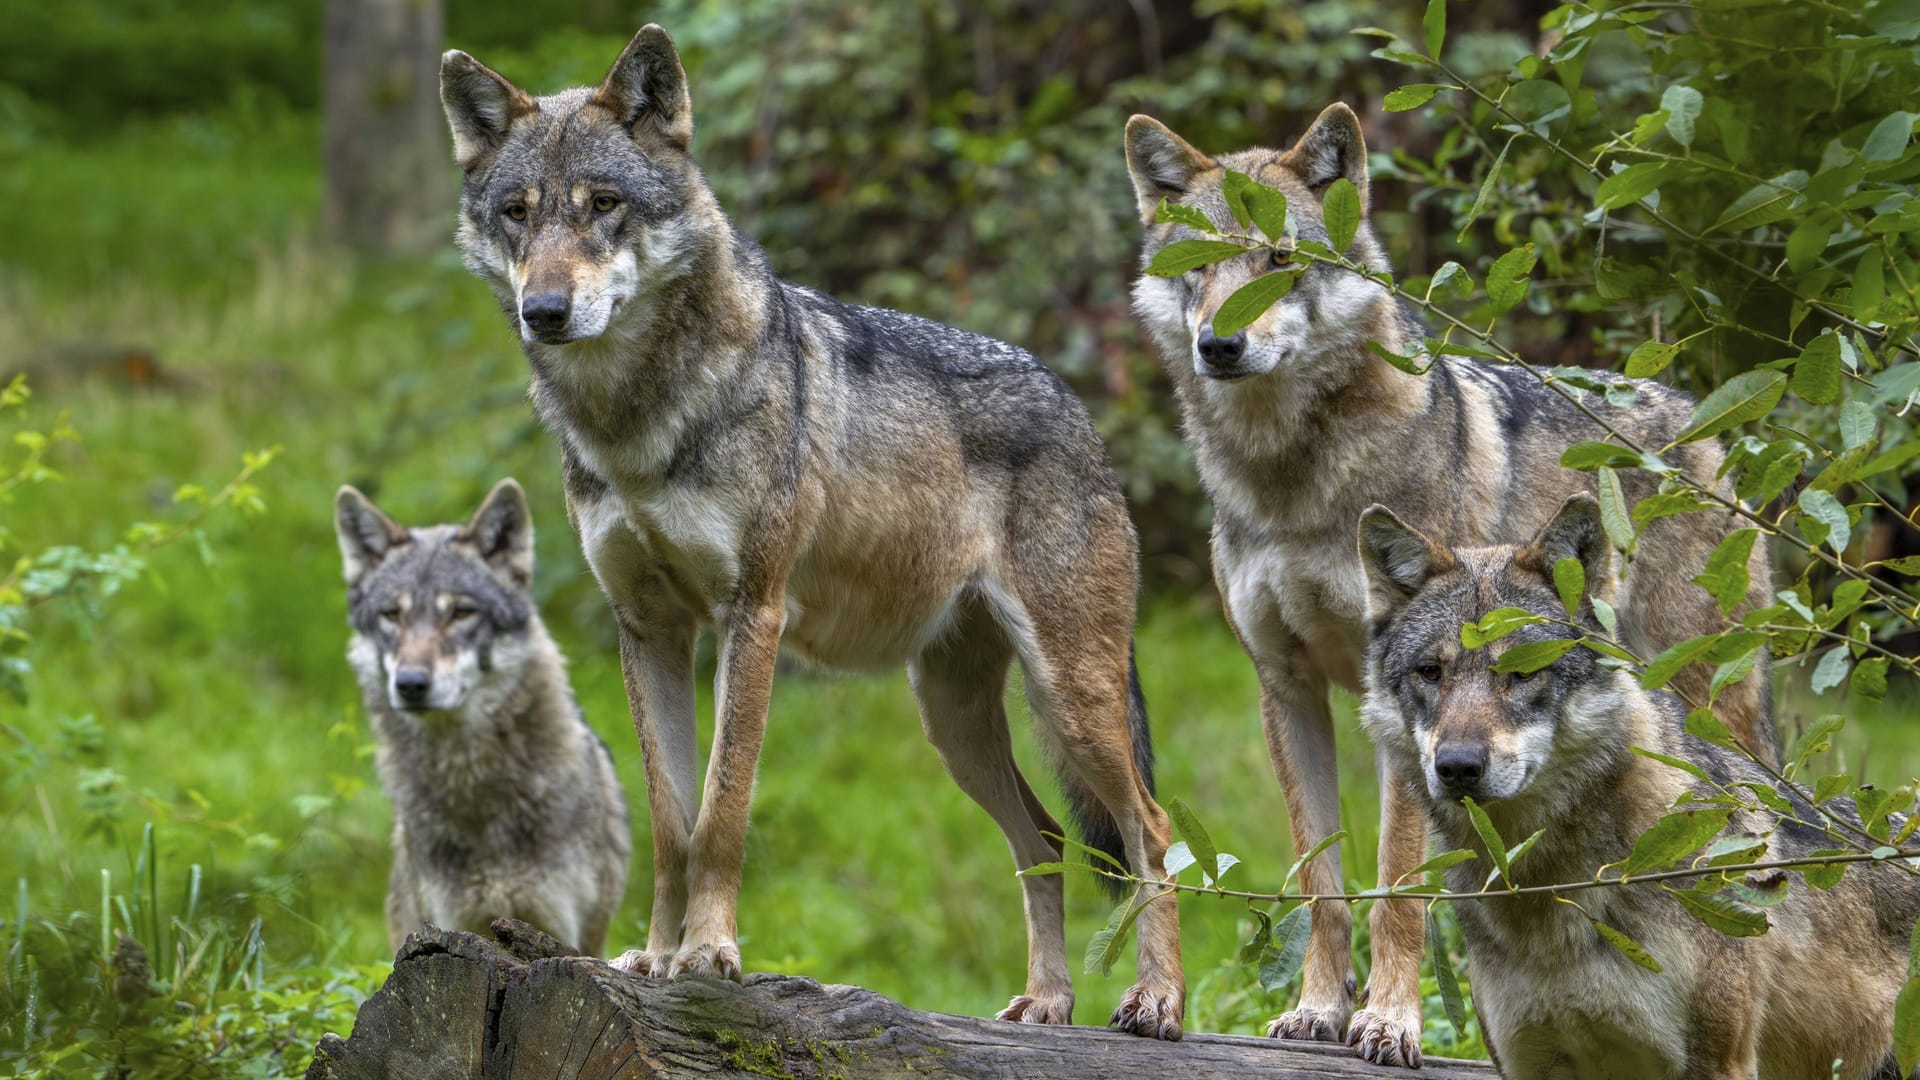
(505, 804)
(1296, 428)
(1549, 751)
(864, 487)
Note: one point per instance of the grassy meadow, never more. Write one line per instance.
(212, 699)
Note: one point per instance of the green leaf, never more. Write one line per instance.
(1181, 214)
(1495, 625)
(1816, 375)
(1824, 508)
(1252, 949)
(1763, 203)
(1280, 962)
(1294, 870)
(1682, 105)
(1183, 255)
(1508, 278)
(1444, 861)
(1095, 852)
(1888, 139)
(1906, 1026)
(1604, 612)
(1702, 724)
(1628, 947)
(1531, 656)
(1870, 678)
(1268, 208)
(1341, 208)
(1250, 301)
(1444, 977)
(1825, 877)
(1683, 765)
(1817, 739)
(1570, 580)
(1832, 786)
(1726, 574)
(1749, 395)
(1434, 25)
(1490, 836)
(1588, 456)
(1451, 278)
(1409, 364)
(1178, 857)
(1662, 668)
(1630, 185)
(1486, 189)
(1650, 358)
(1869, 284)
(1110, 941)
(1046, 868)
(1857, 424)
(1413, 96)
(1672, 838)
(1195, 834)
(1613, 511)
(1233, 187)
(1891, 459)
(1808, 240)
(1722, 912)
(1831, 671)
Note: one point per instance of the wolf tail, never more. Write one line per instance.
(1091, 819)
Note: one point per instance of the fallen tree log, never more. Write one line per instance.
(460, 1005)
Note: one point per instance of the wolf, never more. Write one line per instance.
(505, 804)
(1297, 427)
(1550, 750)
(863, 487)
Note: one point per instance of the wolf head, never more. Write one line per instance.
(1475, 731)
(436, 612)
(1327, 306)
(577, 206)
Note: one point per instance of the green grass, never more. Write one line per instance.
(214, 701)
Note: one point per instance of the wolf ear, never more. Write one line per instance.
(1574, 533)
(647, 88)
(1398, 560)
(1163, 164)
(1332, 148)
(480, 104)
(366, 534)
(503, 530)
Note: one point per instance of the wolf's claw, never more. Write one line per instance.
(1310, 1025)
(1383, 1041)
(707, 962)
(1025, 1009)
(642, 963)
(1154, 1014)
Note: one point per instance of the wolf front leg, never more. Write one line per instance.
(1299, 730)
(656, 661)
(1387, 1031)
(743, 688)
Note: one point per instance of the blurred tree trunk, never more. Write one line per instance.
(388, 179)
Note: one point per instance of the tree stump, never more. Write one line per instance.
(460, 1005)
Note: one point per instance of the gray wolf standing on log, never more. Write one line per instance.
(1550, 751)
(505, 804)
(1296, 428)
(865, 487)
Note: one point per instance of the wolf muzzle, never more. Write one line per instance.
(1218, 357)
(547, 314)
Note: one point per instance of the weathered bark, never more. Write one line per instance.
(459, 1005)
(389, 171)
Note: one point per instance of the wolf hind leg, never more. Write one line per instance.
(960, 683)
(1078, 669)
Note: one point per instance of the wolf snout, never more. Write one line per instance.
(412, 686)
(547, 313)
(1460, 768)
(1219, 357)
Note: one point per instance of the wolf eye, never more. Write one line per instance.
(515, 211)
(390, 614)
(1279, 260)
(605, 203)
(465, 611)
(1429, 671)
(1523, 676)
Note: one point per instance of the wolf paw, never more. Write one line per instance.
(642, 963)
(1152, 1013)
(1045, 1009)
(1307, 1024)
(707, 962)
(1383, 1041)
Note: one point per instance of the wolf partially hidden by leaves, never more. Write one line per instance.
(1800, 968)
(863, 487)
(1298, 423)
(505, 804)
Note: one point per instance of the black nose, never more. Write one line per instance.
(546, 313)
(1220, 352)
(1460, 768)
(412, 684)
